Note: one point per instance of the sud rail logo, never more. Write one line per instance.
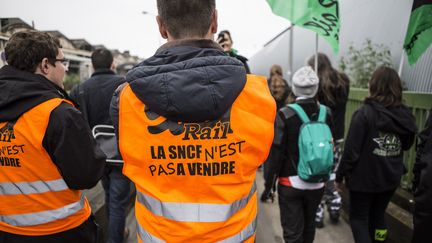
(388, 145)
(7, 132)
(218, 129)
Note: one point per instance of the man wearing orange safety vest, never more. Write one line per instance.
(47, 153)
(193, 129)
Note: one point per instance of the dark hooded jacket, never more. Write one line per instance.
(233, 53)
(187, 80)
(422, 184)
(97, 93)
(373, 156)
(67, 139)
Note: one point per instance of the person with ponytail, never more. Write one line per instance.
(333, 92)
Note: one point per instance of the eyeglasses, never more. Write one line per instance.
(65, 62)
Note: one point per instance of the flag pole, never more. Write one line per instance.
(290, 56)
(316, 53)
(401, 62)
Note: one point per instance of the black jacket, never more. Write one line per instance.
(338, 109)
(233, 53)
(244, 61)
(422, 184)
(98, 92)
(284, 153)
(372, 160)
(189, 81)
(67, 139)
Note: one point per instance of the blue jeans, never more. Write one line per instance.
(117, 188)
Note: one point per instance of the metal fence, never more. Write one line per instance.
(420, 105)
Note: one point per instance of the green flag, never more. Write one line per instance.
(320, 16)
(419, 34)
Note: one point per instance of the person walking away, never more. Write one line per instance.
(278, 86)
(192, 132)
(48, 153)
(422, 185)
(333, 92)
(226, 42)
(280, 91)
(96, 97)
(275, 70)
(299, 196)
(372, 161)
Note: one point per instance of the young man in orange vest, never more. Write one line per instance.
(193, 129)
(47, 152)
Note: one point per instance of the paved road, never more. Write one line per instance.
(269, 229)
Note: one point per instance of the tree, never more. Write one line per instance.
(70, 81)
(359, 64)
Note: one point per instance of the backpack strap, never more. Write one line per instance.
(300, 112)
(287, 112)
(322, 113)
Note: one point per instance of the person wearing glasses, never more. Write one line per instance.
(48, 154)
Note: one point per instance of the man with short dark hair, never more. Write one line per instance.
(48, 154)
(192, 131)
(94, 102)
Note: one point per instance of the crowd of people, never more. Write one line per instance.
(190, 128)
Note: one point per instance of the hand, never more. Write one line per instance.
(267, 195)
(225, 45)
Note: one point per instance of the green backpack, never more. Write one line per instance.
(315, 146)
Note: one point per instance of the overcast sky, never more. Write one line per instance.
(121, 24)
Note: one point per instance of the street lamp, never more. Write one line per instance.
(148, 13)
(154, 15)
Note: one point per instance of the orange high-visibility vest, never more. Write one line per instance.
(195, 181)
(35, 199)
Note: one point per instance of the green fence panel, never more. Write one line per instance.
(420, 105)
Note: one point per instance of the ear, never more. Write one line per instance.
(162, 29)
(44, 67)
(113, 66)
(214, 22)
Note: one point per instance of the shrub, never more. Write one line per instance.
(70, 81)
(359, 64)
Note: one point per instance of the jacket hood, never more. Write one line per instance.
(394, 119)
(188, 80)
(20, 91)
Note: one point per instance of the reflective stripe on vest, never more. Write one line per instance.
(9, 188)
(38, 200)
(30, 219)
(197, 178)
(243, 235)
(194, 212)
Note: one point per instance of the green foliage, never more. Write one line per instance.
(70, 81)
(359, 64)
